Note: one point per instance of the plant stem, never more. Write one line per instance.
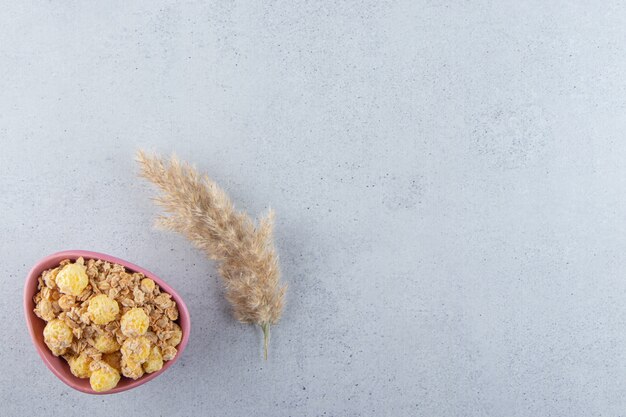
(266, 336)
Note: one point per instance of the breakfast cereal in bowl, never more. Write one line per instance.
(109, 323)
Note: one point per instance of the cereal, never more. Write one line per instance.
(66, 302)
(147, 285)
(58, 336)
(45, 310)
(72, 279)
(114, 360)
(176, 336)
(50, 276)
(104, 378)
(135, 322)
(106, 343)
(103, 309)
(154, 361)
(169, 352)
(136, 349)
(106, 321)
(131, 369)
(79, 365)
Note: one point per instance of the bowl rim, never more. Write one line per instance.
(44, 352)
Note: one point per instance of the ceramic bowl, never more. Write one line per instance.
(58, 365)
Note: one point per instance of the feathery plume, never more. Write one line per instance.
(201, 211)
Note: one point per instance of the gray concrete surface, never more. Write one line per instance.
(449, 182)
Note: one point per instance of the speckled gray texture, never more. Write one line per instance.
(449, 182)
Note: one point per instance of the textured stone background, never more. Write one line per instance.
(449, 181)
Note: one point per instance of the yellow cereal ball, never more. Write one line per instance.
(147, 285)
(154, 362)
(131, 369)
(104, 379)
(72, 279)
(106, 343)
(177, 335)
(135, 322)
(103, 309)
(79, 365)
(136, 349)
(58, 336)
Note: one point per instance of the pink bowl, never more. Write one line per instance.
(58, 366)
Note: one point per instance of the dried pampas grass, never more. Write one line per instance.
(200, 210)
